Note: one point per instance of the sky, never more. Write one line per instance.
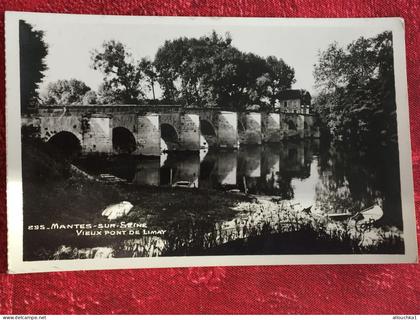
(71, 41)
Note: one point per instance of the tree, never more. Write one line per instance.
(66, 92)
(90, 97)
(249, 86)
(148, 71)
(187, 67)
(122, 74)
(357, 92)
(280, 77)
(206, 71)
(32, 53)
(107, 96)
(210, 71)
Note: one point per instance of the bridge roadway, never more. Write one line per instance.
(148, 129)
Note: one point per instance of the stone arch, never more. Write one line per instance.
(208, 134)
(123, 140)
(65, 143)
(207, 127)
(169, 137)
(51, 125)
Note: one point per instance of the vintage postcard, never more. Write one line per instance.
(136, 142)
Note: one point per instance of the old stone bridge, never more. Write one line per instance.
(147, 130)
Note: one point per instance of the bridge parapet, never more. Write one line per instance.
(148, 128)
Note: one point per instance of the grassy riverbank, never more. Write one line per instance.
(197, 221)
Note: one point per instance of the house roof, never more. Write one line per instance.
(295, 94)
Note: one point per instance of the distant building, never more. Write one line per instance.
(294, 101)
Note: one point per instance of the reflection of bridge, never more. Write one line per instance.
(268, 168)
(148, 129)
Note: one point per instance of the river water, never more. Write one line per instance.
(308, 172)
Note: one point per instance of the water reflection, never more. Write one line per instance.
(147, 173)
(258, 169)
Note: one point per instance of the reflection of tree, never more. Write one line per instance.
(275, 184)
(295, 159)
(355, 180)
(345, 183)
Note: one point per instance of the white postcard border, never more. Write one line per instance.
(14, 172)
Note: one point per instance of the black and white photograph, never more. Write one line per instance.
(162, 141)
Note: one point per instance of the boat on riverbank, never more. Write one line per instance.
(367, 215)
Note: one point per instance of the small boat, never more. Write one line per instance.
(370, 214)
(319, 213)
(109, 178)
(338, 215)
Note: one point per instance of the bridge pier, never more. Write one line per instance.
(250, 130)
(189, 132)
(294, 126)
(97, 134)
(148, 135)
(227, 129)
(208, 128)
(184, 133)
(270, 127)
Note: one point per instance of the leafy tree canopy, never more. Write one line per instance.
(32, 51)
(206, 71)
(148, 72)
(68, 92)
(122, 74)
(357, 92)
